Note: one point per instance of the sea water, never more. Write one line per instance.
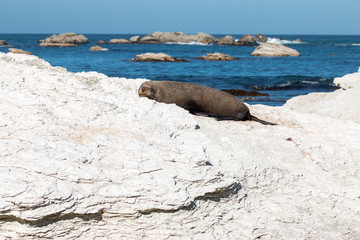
(322, 59)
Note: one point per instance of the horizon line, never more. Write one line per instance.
(112, 33)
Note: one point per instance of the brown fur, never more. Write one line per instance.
(198, 99)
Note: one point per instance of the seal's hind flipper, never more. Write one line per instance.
(253, 118)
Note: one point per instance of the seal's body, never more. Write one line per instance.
(198, 99)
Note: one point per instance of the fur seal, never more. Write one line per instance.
(199, 100)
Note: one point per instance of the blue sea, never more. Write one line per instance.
(322, 59)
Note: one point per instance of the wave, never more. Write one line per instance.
(282, 41)
(347, 44)
(104, 49)
(298, 83)
(189, 43)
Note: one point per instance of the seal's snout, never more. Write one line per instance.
(141, 92)
(146, 91)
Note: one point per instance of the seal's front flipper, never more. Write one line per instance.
(217, 117)
(224, 118)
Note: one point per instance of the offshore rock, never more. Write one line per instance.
(260, 38)
(134, 39)
(44, 44)
(274, 50)
(206, 38)
(102, 42)
(3, 42)
(247, 40)
(96, 48)
(119, 41)
(19, 51)
(64, 40)
(160, 37)
(227, 40)
(156, 57)
(217, 57)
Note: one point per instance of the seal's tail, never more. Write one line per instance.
(253, 118)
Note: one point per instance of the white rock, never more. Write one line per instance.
(340, 104)
(82, 156)
(274, 50)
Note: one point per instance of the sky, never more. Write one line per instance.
(188, 16)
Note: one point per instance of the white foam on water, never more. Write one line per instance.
(105, 49)
(189, 43)
(282, 41)
(355, 44)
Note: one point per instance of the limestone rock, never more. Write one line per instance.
(82, 156)
(44, 44)
(19, 51)
(119, 41)
(3, 42)
(274, 50)
(156, 57)
(227, 40)
(160, 37)
(206, 38)
(319, 103)
(63, 40)
(217, 57)
(96, 48)
(134, 39)
(178, 33)
(102, 42)
(298, 40)
(260, 38)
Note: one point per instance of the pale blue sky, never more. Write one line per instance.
(189, 16)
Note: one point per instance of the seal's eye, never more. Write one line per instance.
(143, 89)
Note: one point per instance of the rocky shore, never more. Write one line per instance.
(263, 49)
(82, 156)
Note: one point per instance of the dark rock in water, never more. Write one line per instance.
(298, 40)
(217, 57)
(3, 42)
(247, 40)
(102, 42)
(156, 57)
(239, 92)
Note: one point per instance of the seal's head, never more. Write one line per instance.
(146, 90)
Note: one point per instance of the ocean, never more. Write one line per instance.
(322, 59)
